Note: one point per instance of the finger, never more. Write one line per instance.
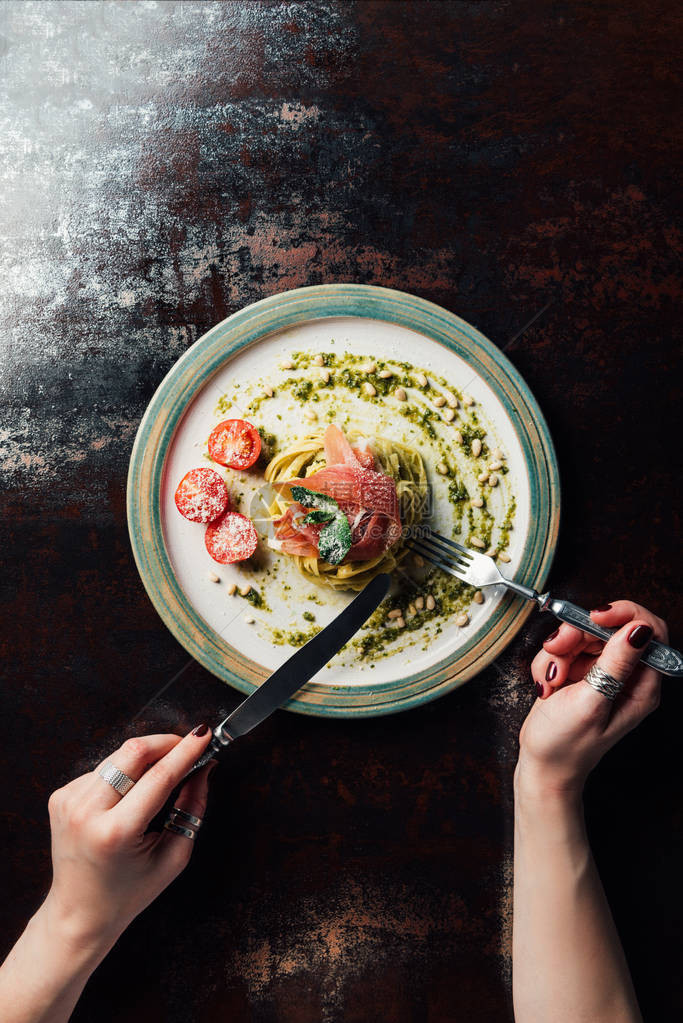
(550, 671)
(619, 658)
(565, 640)
(145, 800)
(133, 758)
(175, 850)
(641, 695)
(619, 612)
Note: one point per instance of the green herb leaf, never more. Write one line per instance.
(312, 499)
(315, 517)
(334, 542)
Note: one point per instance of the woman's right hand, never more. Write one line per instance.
(571, 726)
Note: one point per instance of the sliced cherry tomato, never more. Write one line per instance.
(201, 495)
(235, 443)
(231, 538)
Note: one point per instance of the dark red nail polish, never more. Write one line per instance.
(551, 672)
(200, 730)
(539, 689)
(603, 607)
(552, 636)
(641, 635)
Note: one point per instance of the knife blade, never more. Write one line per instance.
(296, 671)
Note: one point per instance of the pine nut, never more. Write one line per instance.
(400, 623)
(476, 447)
(449, 415)
(288, 364)
(476, 542)
(369, 389)
(504, 557)
(411, 609)
(497, 453)
(431, 603)
(442, 468)
(249, 620)
(325, 375)
(244, 590)
(458, 437)
(400, 394)
(439, 401)
(494, 466)
(421, 379)
(419, 603)
(310, 415)
(483, 477)
(491, 552)
(319, 361)
(493, 480)
(232, 589)
(396, 613)
(269, 392)
(462, 620)
(371, 367)
(213, 577)
(468, 400)
(451, 400)
(384, 374)
(418, 560)
(477, 502)
(478, 597)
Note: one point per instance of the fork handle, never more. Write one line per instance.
(656, 655)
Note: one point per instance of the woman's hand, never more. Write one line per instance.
(571, 725)
(106, 869)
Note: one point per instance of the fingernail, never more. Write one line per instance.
(641, 635)
(551, 671)
(200, 730)
(552, 636)
(539, 689)
(603, 607)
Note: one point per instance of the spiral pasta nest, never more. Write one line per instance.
(403, 464)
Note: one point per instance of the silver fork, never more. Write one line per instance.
(480, 570)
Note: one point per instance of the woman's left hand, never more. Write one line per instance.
(106, 869)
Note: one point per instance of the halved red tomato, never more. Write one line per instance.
(201, 495)
(235, 443)
(231, 538)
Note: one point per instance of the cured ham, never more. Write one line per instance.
(368, 499)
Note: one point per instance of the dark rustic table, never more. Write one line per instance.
(165, 164)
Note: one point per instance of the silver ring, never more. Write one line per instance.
(603, 683)
(178, 829)
(117, 779)
(183, 815)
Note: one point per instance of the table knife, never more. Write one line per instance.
(296, 670)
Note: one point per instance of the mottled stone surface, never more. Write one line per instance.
(164, 164)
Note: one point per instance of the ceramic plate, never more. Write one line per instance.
(175, 567)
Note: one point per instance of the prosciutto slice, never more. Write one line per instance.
(368, 499)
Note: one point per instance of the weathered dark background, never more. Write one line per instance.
(164, 164)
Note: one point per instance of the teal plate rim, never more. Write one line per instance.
(246, 327)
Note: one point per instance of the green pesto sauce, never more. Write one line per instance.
(380, 637)
(257, 599)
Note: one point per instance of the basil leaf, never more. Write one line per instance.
(312, 499)
(334, 542)
(314, 517)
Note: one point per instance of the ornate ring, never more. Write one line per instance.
(178, 829)
(603, 683)
(117, 779)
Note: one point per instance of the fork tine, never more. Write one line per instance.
(445, 566)
(449, 547)
(446, 555)
(437, 537)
